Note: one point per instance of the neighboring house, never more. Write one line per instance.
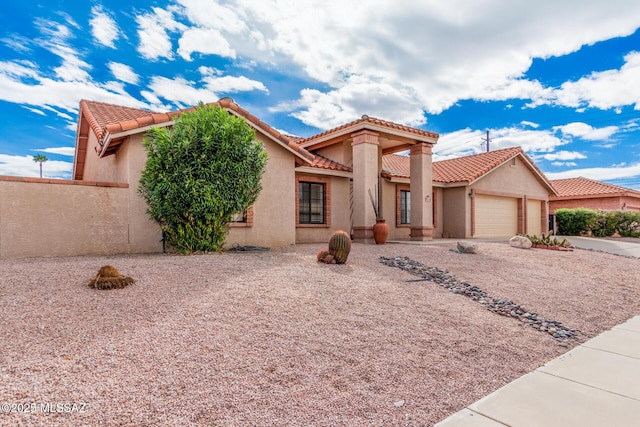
(494, 194)
(588, 193)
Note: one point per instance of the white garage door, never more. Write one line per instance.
(496, 216)
(533, 217)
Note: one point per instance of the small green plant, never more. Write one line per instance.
(545, 239)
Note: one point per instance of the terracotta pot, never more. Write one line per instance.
(380, 231)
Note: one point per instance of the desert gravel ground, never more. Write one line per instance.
(274, 338)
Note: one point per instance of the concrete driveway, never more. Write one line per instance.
(625, 247)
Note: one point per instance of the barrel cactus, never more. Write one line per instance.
(340, 246)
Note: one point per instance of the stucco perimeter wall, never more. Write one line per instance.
(42, 217)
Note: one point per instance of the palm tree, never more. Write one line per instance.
(40, 158)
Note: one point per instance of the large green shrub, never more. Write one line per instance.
(604, 223)
(571, 222)
(198, 174)
(628, 223)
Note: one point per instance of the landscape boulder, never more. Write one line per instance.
(521, 242)
(468, 247)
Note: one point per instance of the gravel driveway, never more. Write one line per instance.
(274, 338)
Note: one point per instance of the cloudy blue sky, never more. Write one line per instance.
(559, 78)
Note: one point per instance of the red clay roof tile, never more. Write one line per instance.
(107, 119)
(461, 169)
(325, 163)
(575, 187)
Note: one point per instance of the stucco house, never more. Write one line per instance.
(315, 185)
(311, 187)
(589, 193)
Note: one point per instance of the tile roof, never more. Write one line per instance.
(465, 169)
(576, 187)
(324, 163)
(371, 120)
(103, 118)
(461, 169)
(470, 168)
(108, 119)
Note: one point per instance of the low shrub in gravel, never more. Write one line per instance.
(109, 277)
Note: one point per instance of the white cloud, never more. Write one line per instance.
(605, 90)
(103, 27)
(599, 173)
(467, 141)
(154, 40)
(35, 111)
(205, 41)
(530, 124)
(22, 85)
(123, 73)
(349, 102)
(233, 84)
(25, 166)
(180, 91)
(442, 51)
(587, 132)
(564, 155)
(565, 164)
(63, 151)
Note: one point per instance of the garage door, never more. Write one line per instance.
(533, 217)
(496, 216)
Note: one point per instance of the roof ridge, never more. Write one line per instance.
(373, 120)
(569, 186)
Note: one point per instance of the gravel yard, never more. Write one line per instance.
(274, 338)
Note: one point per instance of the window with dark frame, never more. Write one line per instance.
(311, 203)
(405, 207)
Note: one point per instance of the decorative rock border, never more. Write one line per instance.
(502, 307)
(552, 248)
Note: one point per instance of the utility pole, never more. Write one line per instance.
(486, 141)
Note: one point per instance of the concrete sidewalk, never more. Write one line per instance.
(595, 384)
(618, 247)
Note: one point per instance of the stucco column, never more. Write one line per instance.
(421, 190)
(365, 178)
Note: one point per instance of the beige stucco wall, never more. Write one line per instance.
(106, 169)
(274, 211)
(44, 219)
(515, 180)
(145, 234)
(340, 213)
(341, 153)
(456, 213)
